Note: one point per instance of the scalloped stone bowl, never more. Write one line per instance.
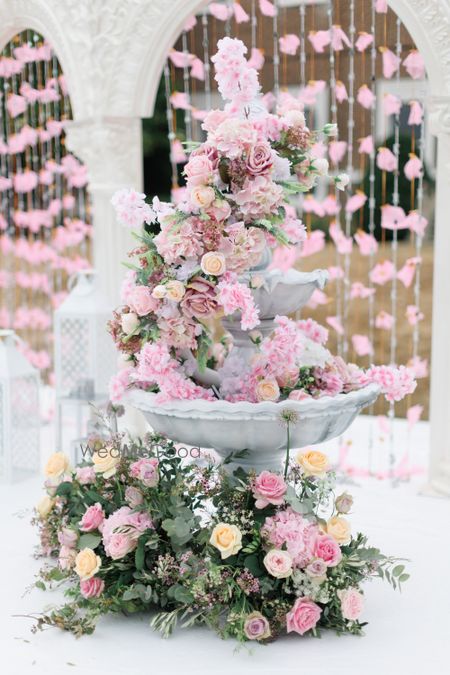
(257, 427)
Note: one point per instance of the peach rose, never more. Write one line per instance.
(313, 462)
(339, 529)
(175, 290)
(44, 506)
(267, 390)
(213, 263)
(159, 292)
(141, 301)
(227, 539)
(57, 465)
(87, 563)
(202, 196)
(129, 322)
(105, 461)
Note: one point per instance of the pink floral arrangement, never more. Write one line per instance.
(194, 259)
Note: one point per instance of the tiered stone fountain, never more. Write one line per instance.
(257, 427)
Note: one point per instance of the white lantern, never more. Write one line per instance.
(85, 356)
(19, 412)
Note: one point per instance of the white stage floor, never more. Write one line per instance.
(408, 633)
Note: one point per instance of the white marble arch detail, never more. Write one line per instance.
(112, 53)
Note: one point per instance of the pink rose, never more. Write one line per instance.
(67, 537)
(298, 395)
(278, 563)
(91, 588)
(256, 626)
(259, 159)
(133, 497)
(316, 568)
(200, 299)
(119, 545)
(85, 475)
(199, 170)
(303, 616)
(146, 470)
(92, 519)
(328, 550)
(141, 301)
(269, 488)
(352, 603)
(66, 557)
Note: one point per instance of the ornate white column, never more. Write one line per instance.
(112, 149)
(439, 467)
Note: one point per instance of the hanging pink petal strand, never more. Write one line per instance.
(418, 366)
(256, 59)
(190, 23)
(363, 41)
(314, 243)
(219, 11)
(413, 415)
(358, 290)
(381, 6)
(331, 206)
(319, 40)
(180, 100)
(177, 153)
(181, 59)
(384, 320)
(317, 298)
(362, 345)
(355, 202)
(366, 145)
(197, 69)
(341, 92)
(393, 217)
(382, 273)
(407, 272)
(267, 8)
(365, 97)
(391, 62)
(416, 223)
(283, 258)
(414, 315)
(16, 105)
(337, 150)
(367, 243)
(386, 160)
(335, 323)
(343, 244)
(413, 168)
(289, 44)
(339, 39)
(391, 104)
(415, 65)
(240, 14)
(416, 113)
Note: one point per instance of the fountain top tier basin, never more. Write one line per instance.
(257, 427)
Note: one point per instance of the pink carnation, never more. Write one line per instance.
(313, 330)
(234, 296)
(259, 197)
(131, 209)
(85, 474)
(395, 383)
(288, 528)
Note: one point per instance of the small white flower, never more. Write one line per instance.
(330, 130)
(341, 181)
(321, 165)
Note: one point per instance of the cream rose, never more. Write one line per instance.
(227, 539)
(129, 322)
(87, 563)
(175, 290)
(339, 529)
(202, 196)
(105, 461)
(159, 292)
(213, 263)
(267, 390)
(313, 462)
(44, 506)
(278, 563)
(57, 464)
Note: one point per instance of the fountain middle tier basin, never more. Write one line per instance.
(256, 427)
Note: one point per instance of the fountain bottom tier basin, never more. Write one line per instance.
(256, 427)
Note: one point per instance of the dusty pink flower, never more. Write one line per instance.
(256, 626)
(133, 497)
(85, 474)
(259, 159)
(66, 557)
(91, 588)
(200, 299)
(141, 300)
(303, 616)
(146, 470)
(67, 537)
(352, 603)
(269, 488)
(327, 548)
(92, 519)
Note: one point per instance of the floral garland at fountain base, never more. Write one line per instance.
(136, 528)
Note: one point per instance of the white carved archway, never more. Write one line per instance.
(112, 53)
